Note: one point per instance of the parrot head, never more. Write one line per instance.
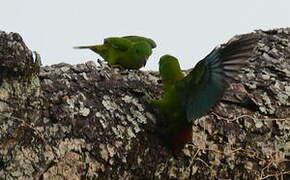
(169, 69)
(143, 50)
(152, 43)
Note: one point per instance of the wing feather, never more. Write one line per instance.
(208, 78)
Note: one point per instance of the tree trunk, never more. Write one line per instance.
(94, 122)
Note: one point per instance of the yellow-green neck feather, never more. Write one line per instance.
(170, 71)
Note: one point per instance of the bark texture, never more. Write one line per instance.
(91, 121)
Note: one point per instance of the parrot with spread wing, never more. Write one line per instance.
(187, 98)
(130, 52)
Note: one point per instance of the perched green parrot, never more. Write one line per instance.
(130, 52)
(187, 98)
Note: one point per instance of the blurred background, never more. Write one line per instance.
(186, 29)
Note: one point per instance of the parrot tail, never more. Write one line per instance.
(84, 47)
(100, 49)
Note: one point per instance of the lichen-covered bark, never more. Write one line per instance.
(94, 122)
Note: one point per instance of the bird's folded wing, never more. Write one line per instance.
(121, 44)
(139, 39)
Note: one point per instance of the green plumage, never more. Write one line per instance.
(170, 71)
(130, 52)
(186, 99)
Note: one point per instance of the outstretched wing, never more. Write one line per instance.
(121, 44)
(207, 81)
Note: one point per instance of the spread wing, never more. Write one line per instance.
(207, 81)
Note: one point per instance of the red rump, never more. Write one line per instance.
(183, 137)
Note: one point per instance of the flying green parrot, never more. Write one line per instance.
(187, 98)
(130, 52)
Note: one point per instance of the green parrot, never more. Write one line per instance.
(130, 52)
(187, 98)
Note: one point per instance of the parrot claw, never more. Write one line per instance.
(118, 66)
(101, 63)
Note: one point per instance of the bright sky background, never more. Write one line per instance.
(187, 29)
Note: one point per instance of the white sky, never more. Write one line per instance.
(184, 28)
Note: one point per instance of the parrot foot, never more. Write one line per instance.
(100, 62)
(118, 66)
